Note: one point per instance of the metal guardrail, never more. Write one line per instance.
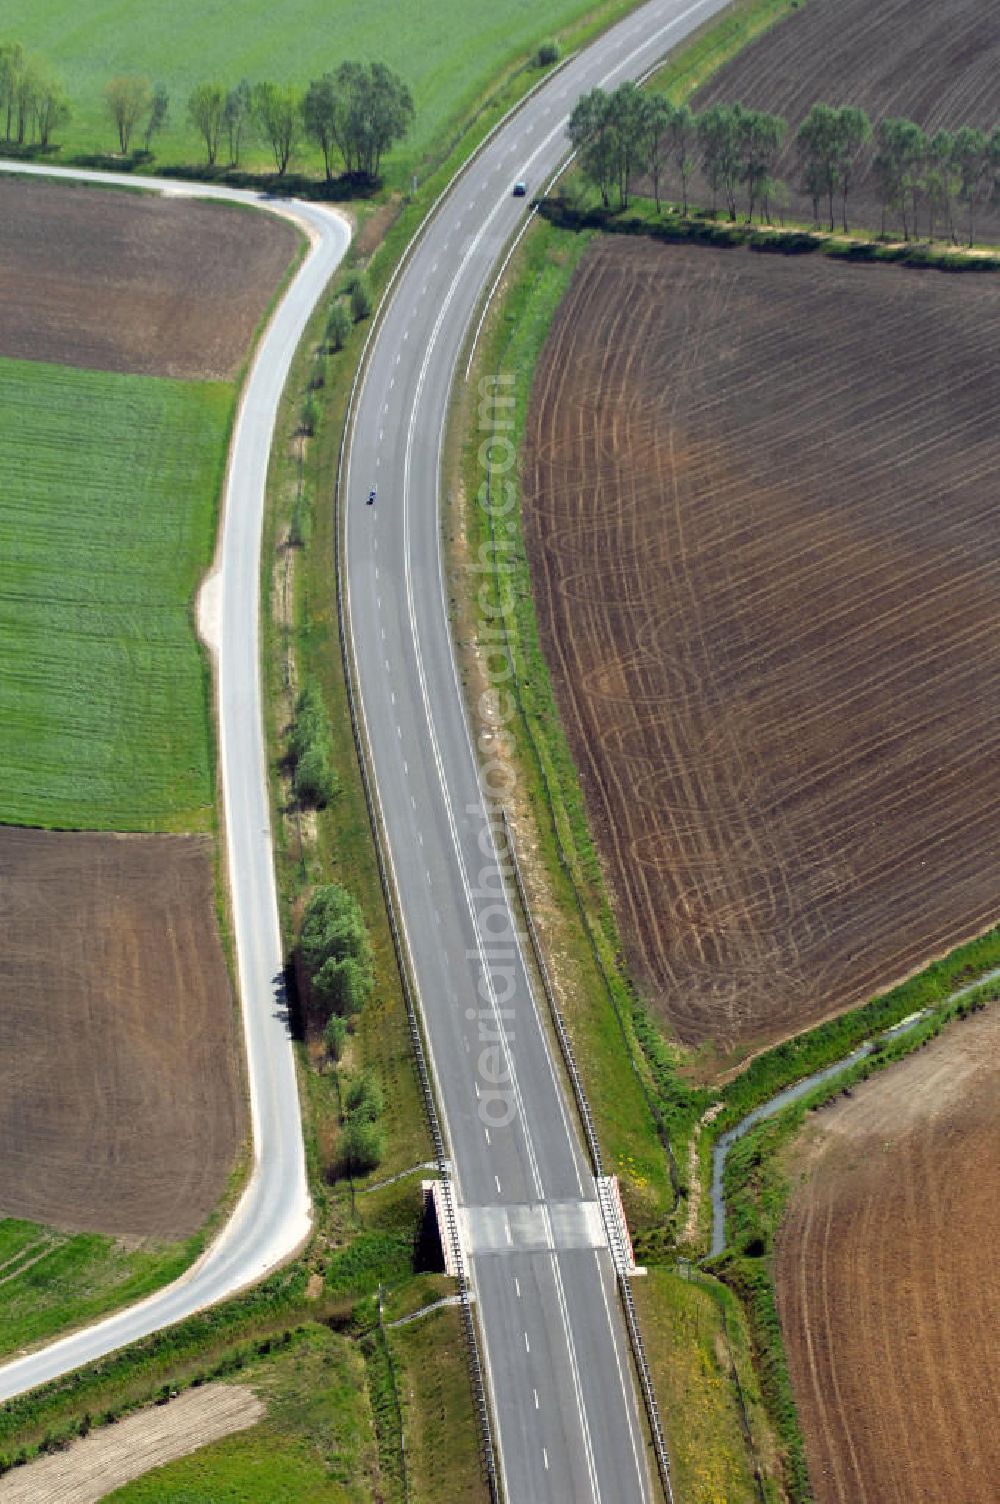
(594, 1149)
(473, 1358)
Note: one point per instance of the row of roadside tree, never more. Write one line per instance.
(33, 102)
(354, 113)
(357, 112)
(628, 135)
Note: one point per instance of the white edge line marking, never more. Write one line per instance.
(571, 1347)
(641, 1472)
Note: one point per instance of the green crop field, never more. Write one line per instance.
(447, 50)
(317, 1441)
(50, 1280)
(109, 488)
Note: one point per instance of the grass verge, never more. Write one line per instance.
(585, 215)
(110, 487)
(634, 1115)
(316, 1441)
(51, 1282)
(337, 1385)
(718, 1435)
(706, 50)
(441, 1434)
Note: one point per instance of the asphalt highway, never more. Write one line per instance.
(555, 1351)
(273, 1216)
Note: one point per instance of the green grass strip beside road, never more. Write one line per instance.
(603, 1015)
(51, 1282)
(109, 489)
(316, 1441)
(714, 44)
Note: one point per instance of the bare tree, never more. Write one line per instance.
(320, 109)
(683, 137)
(156, 120)
(237, 114)
(277, 111)
(127, 99)
(205, 107)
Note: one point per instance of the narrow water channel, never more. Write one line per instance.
(799, 1089)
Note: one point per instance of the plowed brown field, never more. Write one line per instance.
(120, 1102)
(761, 513)
(888, 1281)
(936, 64)
(136, 283)
(102, 1462)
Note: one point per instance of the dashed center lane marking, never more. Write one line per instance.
(663, 30)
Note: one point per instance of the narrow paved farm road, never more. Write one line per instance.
(272, 1217)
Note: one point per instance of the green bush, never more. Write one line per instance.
(547, 54)
(363, 1099)
(335, 951)
(310, 415)
(338, 326)
(335, 1036)
(314, 781)
(309, 724)
(361, 1147)
(361, 301)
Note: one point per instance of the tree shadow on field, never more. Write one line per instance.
(342, 189)
(28, 151)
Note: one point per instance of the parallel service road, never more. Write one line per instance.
(272, 1217)
(554, 1344)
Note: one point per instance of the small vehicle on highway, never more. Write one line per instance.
(520, 188)
(371, 497)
